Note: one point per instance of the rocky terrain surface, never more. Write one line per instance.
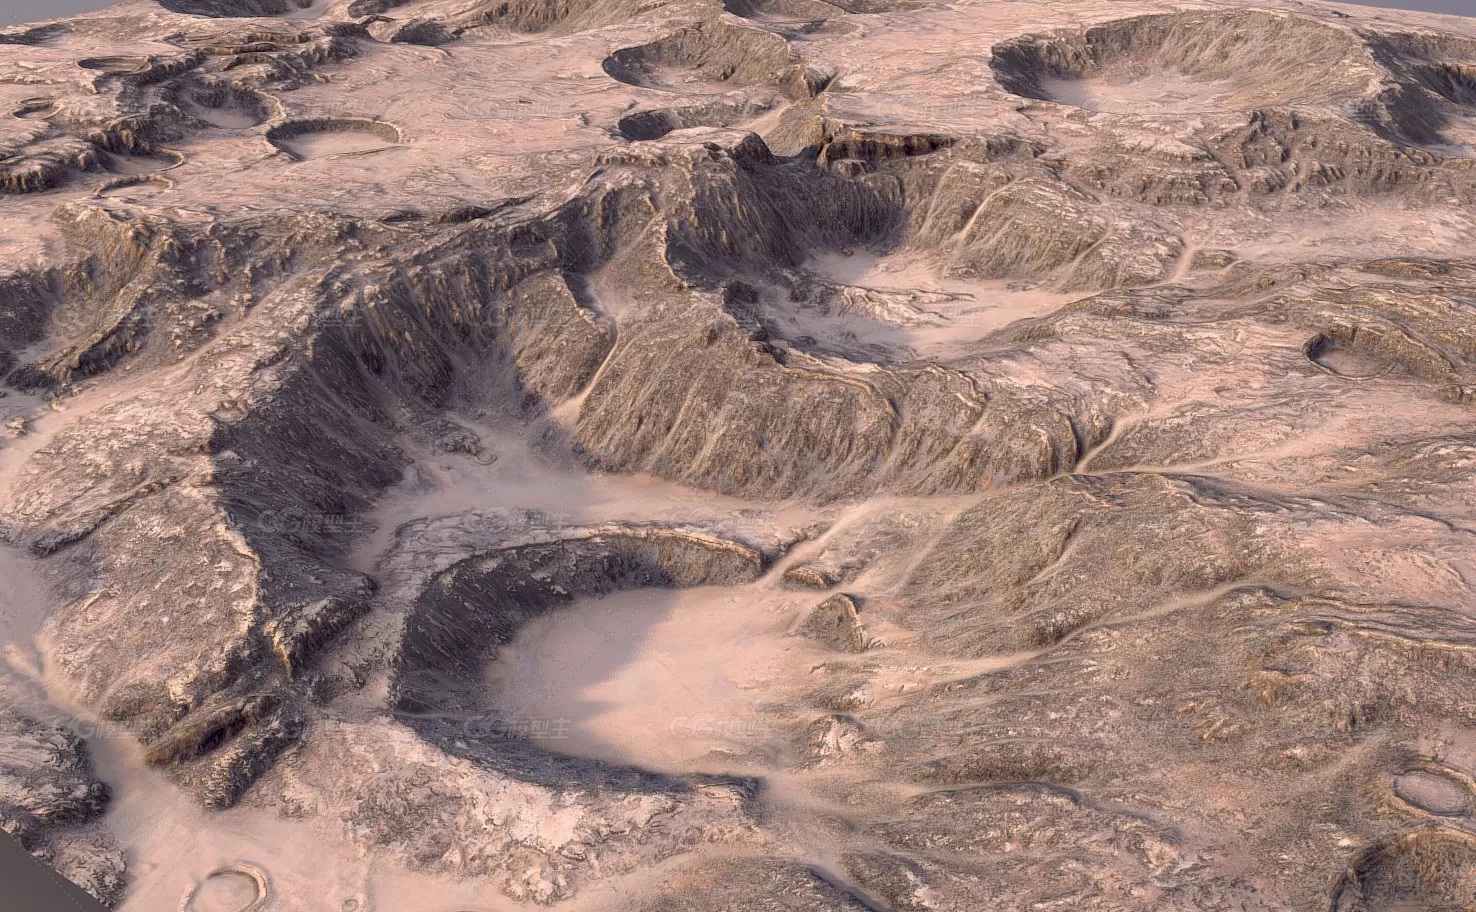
(743, 455)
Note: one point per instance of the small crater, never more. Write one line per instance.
(35, 108)
(1339, 358)
(114, 64)
(402, 218)
(875, 7)
(234, 888)
(361, 9)
(1432, 99)
(297, 9)
(437, 672)
(654, 124)
(1433, 104)
(226, 106)
(795, 18)
(1433, 792)
(134, 187)
(643, 126)
(317, 137)
(424, 32)
(1359, 351)
(141, 162)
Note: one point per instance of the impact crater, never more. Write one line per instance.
(134, 186)
(712, 58)
(246, 9)
(317, 137)
(1433, 792)
(37, 108)
(226, 106)
(1187, 63)
(114, 64)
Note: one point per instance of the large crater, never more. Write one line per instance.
(557, 17)
(1432, 869)
(114, 64)
(714, 57)
(315, 137)
(482, 602)
(142, 162)
(1186, 63)
(224, 105)
(244, 9)
(656, 123)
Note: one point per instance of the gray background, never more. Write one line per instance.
(14, 11)
(31, 886)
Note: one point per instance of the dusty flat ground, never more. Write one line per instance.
(771, 454)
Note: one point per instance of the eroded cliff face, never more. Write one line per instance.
(1061, 416)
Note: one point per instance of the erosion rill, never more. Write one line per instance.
(780, 454)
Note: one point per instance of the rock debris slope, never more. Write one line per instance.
(1051, 426)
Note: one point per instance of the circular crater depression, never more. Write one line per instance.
(316, 137)
(134, 186)
(243, 9)
(1341, 357)
(713, 58)
(1186, 63)
(794, 18)
(1433, 792)
(1432, 869)
(226, 106)
(782, 10)
(114, 64)
(440, 665)
(235, 888)
(1360, 352)
(140, 163)
(654, 124)
(35, 108)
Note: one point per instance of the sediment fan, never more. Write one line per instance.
(773, 454)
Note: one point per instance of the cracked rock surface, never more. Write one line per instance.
(740, 455)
